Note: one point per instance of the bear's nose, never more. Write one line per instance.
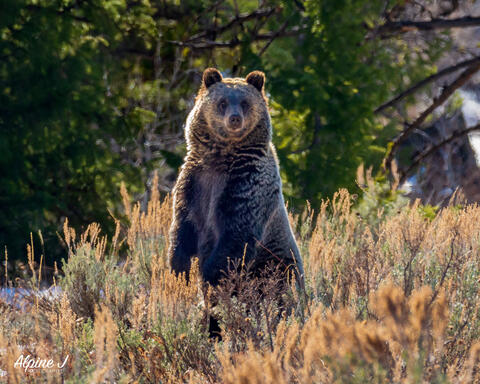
(235, 121)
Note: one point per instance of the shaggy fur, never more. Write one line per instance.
(228, 202)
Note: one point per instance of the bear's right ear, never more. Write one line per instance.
(211, 76)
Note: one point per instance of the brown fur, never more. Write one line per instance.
(227, 201)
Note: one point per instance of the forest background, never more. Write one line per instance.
(94, 93)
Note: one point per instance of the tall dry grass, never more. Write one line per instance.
(391, 295)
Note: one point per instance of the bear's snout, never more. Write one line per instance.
(235, 121)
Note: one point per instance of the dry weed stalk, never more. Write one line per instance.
(334, 345)
(106, 333)
(390, 296)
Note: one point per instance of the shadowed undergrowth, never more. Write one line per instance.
(391, 296)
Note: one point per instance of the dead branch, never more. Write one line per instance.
(429, 79)
(235, 42)
(423, 155)
(274, 36)
(438, 101)
(257, 14)
(390, 28)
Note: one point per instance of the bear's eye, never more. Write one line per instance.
(222, 106)
(244, 105)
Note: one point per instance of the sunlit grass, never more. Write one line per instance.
(391, 297)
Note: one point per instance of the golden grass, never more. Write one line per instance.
(389, 297)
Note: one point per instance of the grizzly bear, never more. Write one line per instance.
(228, 202)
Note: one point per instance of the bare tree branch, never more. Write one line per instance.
(204, 12)
(438, 101)
(235, 42)
(429, 79)
(402, 26)
(257, 14)
(275, 35)
(423, 155)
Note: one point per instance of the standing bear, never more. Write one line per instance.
(228, 203)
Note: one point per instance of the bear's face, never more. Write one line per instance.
(233, 108)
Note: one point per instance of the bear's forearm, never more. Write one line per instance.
(184, 246)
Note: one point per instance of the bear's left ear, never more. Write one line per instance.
(257, 79)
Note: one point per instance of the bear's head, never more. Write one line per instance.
(231, 110)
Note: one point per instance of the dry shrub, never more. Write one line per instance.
(391, 295)
(251, 304)
(106, 355)
(333, 346)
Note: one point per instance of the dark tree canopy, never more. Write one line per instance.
(95, 93)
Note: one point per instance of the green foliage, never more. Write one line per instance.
(95, 93)
(326, 85)
(378, 199)
(85, 278)
(429, 211)
(85, 344)
(55, 118)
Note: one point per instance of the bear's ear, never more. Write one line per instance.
(211, 76)
(257, 79)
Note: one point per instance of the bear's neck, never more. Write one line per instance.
(205, 149)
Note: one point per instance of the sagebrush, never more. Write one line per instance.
(390, 296)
